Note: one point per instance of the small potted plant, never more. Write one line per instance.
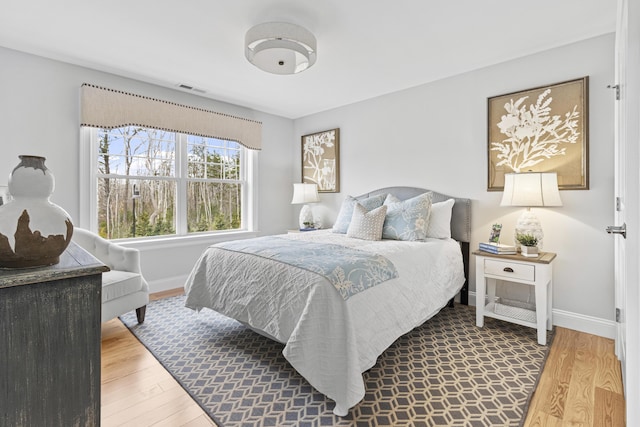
(528, 244)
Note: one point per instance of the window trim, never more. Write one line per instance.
(89, 196)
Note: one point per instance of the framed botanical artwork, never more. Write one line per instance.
(321, 160)
(545, 129)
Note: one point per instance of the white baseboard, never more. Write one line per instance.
(578, 322)
(167, 284)
(589, 324)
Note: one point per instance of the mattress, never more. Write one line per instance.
(329, 340)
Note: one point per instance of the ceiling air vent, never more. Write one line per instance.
(190, 88)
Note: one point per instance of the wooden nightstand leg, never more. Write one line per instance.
(541, 312)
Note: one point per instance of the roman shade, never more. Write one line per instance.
(109, 108)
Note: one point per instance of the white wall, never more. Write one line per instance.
(435, 136)
(39, 111)
(431, 136)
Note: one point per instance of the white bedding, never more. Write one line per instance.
(328, 340)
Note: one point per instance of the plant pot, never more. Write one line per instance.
(529, 251)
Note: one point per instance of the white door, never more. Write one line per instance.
(620, 183)
(627, 187)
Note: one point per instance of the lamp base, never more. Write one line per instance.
(306, 216)
(528, 223)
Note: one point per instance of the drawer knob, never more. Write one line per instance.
(508, 269)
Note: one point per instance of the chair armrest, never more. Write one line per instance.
(115, 256)
(124, 259)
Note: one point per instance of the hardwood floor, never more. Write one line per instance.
(581, 384)
(136, 390)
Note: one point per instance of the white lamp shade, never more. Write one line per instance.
(531, 189)
(305, 193)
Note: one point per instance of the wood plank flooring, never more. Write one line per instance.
(581, 384)
(136, 390)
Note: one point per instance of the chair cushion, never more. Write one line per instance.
(116, 283)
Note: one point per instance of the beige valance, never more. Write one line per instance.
(108, 108)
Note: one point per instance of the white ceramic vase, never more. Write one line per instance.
(33, 231)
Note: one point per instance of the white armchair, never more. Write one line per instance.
(123, 288)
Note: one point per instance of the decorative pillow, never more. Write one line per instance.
(367, 225)
(391, 199)
(346, 210)
(440, 220)
(407, 220)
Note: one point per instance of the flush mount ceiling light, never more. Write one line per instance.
(280, 48)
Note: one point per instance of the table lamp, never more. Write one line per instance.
(530, 189)
(304, 194)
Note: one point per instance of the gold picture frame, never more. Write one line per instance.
(544, 129)
(321, 160)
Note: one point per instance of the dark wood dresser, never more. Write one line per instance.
(50, 342)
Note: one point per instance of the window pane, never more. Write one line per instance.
(213, 206)
(146, 158)
(136, 151)
(154, 203)
(211, 158)
(232, 163)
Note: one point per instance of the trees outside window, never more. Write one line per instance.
(151, 182)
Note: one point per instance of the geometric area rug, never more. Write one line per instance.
(446, 372)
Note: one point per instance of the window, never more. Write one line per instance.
(152, 167)
(150, 182)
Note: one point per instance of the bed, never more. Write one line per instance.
(331, 338)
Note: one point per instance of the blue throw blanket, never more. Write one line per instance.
(349, 270)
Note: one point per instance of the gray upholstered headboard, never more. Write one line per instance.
(460, 223)
(460, 217)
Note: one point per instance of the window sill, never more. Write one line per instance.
(164, 242)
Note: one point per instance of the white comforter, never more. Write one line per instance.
(328, 340)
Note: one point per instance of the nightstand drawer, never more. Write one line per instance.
(508, 270)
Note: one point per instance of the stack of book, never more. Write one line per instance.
(497, 248)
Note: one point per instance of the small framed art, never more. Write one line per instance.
(494, 237)
(321, 160)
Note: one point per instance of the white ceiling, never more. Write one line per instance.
(366, 48)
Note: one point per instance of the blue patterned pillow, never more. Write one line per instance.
(346, 211)
(407, 220)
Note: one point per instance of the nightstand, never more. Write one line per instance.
(302, 231)
(536, 272)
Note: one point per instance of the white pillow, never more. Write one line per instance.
(367, 225)
(440, 220)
